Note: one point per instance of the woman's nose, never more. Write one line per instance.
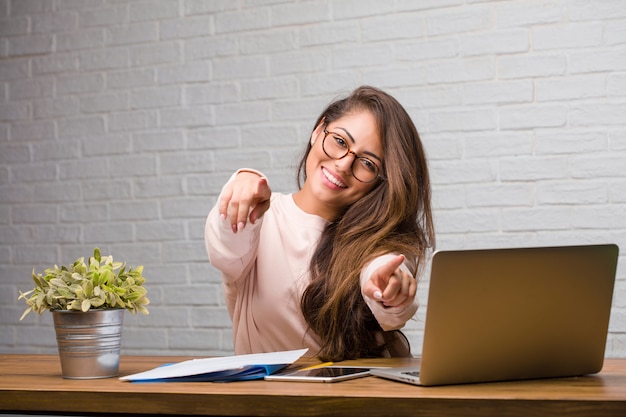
(345, 164)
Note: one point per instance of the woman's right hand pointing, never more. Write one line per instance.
(245, 198)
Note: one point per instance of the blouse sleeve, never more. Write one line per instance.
(389, 318)
(231, 253)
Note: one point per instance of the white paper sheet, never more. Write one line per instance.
(216, 364)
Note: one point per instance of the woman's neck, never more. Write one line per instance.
(312, 206)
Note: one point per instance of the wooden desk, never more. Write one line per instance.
(33, 384)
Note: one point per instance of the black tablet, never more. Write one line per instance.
(323, 374)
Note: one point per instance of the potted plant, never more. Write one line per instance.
(88, 302)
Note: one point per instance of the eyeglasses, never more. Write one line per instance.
(363, 169)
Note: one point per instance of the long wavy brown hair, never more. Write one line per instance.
(395, 216)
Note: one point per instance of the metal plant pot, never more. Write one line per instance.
(89, 342)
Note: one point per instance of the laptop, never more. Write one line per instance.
(514, 314)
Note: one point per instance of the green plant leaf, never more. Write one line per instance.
(78, 290)
(28, 310)
(119, 301)
(107, 276)
(142, 301)
(103, 283)
(97, 301)
(63, 293)
(133, 296)
(39, 300)
(88, 288)
(25, 294)
(94, 264)
(58, 282)
(118, 291)
(38, 279)
(50, 296)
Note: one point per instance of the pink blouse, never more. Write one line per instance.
(265, 271)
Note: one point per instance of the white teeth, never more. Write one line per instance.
(333, 179)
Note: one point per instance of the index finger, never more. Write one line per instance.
(390, 267)
(227, 194)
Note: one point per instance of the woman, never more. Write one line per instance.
(333, 266)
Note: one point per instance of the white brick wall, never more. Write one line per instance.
(120, 121)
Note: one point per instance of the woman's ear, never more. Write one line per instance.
(318, 130)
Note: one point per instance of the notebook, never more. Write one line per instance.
(513, 314)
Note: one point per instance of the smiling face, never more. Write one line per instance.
(330, 186)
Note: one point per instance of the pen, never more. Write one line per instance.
(319, 365)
